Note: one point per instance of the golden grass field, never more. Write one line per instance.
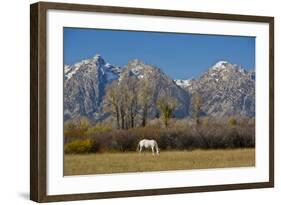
(103, 163)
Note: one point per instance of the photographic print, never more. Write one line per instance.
(141, 101)
(129, 102)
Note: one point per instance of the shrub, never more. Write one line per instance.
(98, 128)
(182, 135)
(74, 133)
(206, 121)
(76, 129)
(232, 121)
(78, 146)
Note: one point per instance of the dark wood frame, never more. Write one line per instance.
(38, 96)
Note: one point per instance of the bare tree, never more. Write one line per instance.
(196, 107)
(122, 100)
(132, 100)
(145, 99)
(112, 102)
(123, 96)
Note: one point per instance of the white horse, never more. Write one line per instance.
(148, 144)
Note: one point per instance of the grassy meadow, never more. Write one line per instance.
(184, 144)
(122, 162)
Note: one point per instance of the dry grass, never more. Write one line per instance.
(168, 160)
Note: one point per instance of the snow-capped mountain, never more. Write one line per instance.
(161, 84)
(226, 89)
(84, 86)
(111, 72)
(86, 81)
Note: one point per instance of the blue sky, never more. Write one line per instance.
(181, 56)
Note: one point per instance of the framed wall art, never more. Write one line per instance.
(134, 102)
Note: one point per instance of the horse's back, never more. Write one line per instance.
(147, 143)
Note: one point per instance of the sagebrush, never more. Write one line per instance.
(209, 134)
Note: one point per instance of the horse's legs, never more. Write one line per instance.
(152, 148)
(140, 149)
(157, 150)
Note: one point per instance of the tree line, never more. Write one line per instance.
(125, 101)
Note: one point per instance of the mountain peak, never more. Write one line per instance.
(97, 58)
(94, 63)
(225, 65)
(221, 63)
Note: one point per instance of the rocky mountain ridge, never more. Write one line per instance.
(226, 89)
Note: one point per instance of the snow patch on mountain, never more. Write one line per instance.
(220, 64)
(109, 71)
(183, 83)
(226, 66)
(69, 71)
(138, 69)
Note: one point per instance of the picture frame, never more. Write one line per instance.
(39, 102)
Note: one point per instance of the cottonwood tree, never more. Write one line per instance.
(128, 101)
(196, 102)
(196, 107)
(123, 97)
(132, 100)
(166, 106)
(112, 101)
(145, 96)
